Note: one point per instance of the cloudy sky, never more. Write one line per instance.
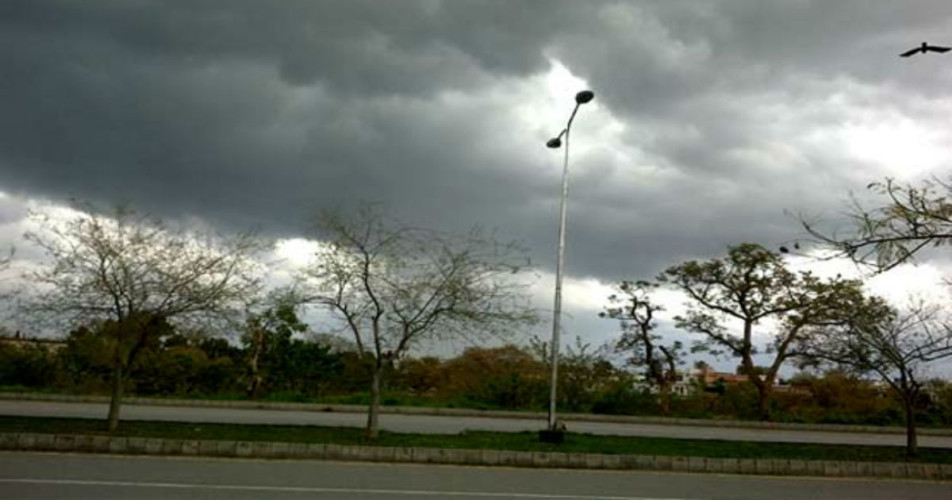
(712, 122)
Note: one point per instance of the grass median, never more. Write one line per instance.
(516, 441)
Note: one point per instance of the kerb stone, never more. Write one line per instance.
(298, 450)
(681, 464)
(261, 449)
(153, 446)
(797, 467)
(697, 464)
(594, 461)
(64, 442)
(136, 444)
(226, 448)
(613, 462)
(244, 449)
(190, 447)
(172, 446)
(541, 459)
(44, 442)
(490, 457)
(832, 468)
(815, 468)
(730, 465)
(8, 441)
(646, 462)
(663, 462)
(316, 450)
(763, 466)
(333, 451)
(915, 471)
(207, 447)
(118, 445)
(280, 450)
(577, 460)
(747, 465)
(101, 443)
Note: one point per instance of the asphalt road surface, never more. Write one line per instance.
(75, 476)
(452, 425)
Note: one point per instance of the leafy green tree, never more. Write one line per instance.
(85, 359)
(311, 367)
(30, 365)
(267, 339)
(751, 285)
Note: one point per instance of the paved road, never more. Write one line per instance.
(68, 476)
(451, 425)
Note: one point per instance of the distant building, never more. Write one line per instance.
(19, 341)
(684, 385)
(708, 377)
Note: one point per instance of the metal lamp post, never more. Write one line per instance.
(554, 143)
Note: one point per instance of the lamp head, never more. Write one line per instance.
(554, 143)
(584, 96)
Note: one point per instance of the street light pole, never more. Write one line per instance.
(580, 98)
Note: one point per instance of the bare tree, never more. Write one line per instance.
(893, 345)
(752, 285)
(633, 307)
(133, 275)
(393, 286)
(910, 220)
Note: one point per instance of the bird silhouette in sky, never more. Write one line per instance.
(925, 48)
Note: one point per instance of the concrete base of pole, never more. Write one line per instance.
(552, 436)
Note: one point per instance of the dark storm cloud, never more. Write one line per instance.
(259, 113)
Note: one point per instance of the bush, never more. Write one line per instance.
(31, 365)
(626, 400)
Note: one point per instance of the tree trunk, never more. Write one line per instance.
(373, 413)
(912, 444)
(664, 398)
(118, 381)
(253, 386)
(763, 401)
(255, 382)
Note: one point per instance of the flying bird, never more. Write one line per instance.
(925, 48)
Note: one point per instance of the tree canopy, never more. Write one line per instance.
(909, 220)
(392, 286)
(129, 274)
(751, 285)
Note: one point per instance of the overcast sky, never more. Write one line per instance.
(712, 122)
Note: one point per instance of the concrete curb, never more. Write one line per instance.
(257, 449)
(462, 412)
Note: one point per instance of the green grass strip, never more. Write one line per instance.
(516, 441)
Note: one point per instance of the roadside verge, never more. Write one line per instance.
(535, 459)
(463, 412)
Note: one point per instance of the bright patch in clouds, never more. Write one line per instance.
(296, 252)
(898, 286)
(547, 113)
(904, 147)
(908, 282)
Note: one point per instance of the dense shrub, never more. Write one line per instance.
(507, 377)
